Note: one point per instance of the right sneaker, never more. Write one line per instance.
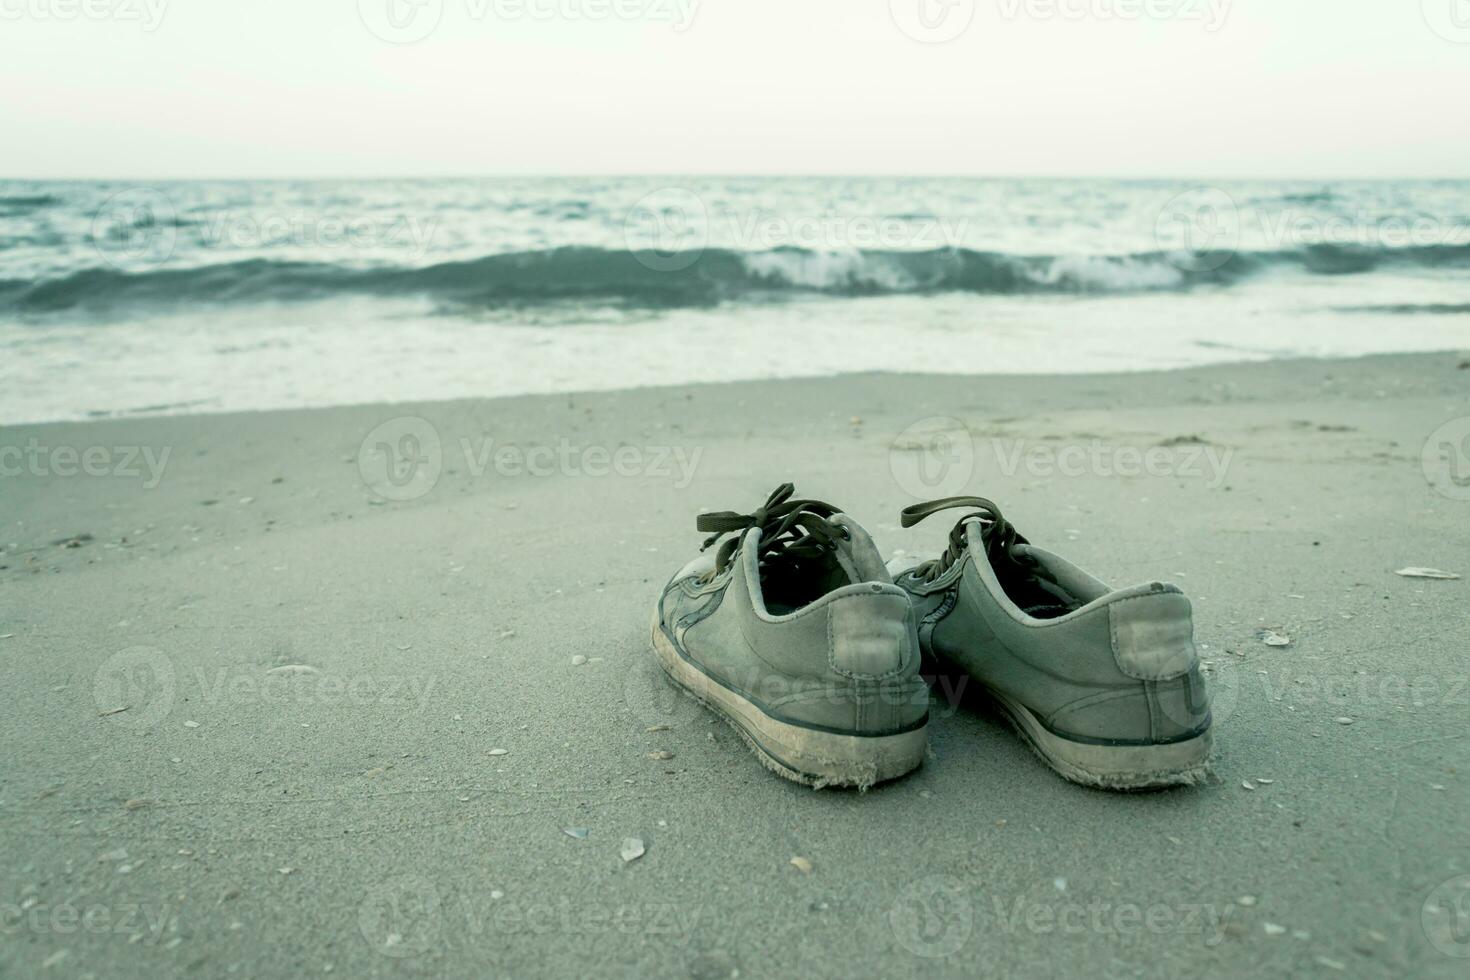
(794, 633)
(1103, 683)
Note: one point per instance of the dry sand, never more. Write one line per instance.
(348, 816)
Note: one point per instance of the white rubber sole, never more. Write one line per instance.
(805, 755)
(1117, 767)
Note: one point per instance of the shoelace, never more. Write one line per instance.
(998, 533)
(792, 528)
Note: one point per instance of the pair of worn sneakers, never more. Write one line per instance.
(796, 632)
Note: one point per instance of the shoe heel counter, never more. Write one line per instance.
(874, 647)
(1153, 642)
(1153, 636)
(870, 635)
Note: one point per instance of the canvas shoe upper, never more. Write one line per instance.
(793, 631)
(1103, 682)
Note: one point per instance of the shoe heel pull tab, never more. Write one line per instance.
(870, 635)
(1153, 635)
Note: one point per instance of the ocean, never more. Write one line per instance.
(211, 296)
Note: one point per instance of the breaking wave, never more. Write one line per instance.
(693, 279)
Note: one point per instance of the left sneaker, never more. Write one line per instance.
(1103, 683)
(793, 632)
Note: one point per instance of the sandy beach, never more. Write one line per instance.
(273, 713)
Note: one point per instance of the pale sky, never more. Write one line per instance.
(302, 88)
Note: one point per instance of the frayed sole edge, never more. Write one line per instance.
(839, 773)
(859, 777)
(1195, 774)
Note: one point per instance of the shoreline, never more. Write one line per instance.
(345, 352)
(1046, 377)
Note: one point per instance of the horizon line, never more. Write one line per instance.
(713, 175)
